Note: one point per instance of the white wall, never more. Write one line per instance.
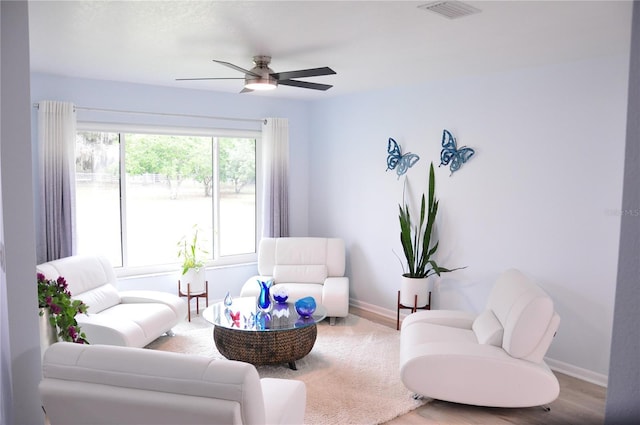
(542, 193)
(20, 355)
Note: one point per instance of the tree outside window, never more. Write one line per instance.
(171, 183)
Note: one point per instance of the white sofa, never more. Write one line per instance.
(99, 384)
(127, 318)
(304, 266)
(493, 359)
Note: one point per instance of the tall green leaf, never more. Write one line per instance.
(416, 238)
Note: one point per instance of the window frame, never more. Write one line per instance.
(217, 261)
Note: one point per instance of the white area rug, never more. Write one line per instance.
(352, 373)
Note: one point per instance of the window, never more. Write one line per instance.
(139, 193)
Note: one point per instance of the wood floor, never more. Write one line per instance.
(580, 402)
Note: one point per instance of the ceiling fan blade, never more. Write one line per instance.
(246, 90)
(302, 73)
(206, 78)
(304, 84)
(236, 67)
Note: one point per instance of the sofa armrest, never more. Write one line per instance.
(335, 296)
(290, 404)
(452, 318)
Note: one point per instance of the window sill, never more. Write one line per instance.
(175, 269)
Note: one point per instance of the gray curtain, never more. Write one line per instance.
(275, 154)
(56, 156)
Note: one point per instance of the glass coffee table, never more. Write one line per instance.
(242, 332)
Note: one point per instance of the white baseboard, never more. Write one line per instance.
(389, 314)
(556, 365)
(578, 372)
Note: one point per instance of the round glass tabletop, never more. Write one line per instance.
(243, 314)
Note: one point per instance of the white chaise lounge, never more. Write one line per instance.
(493, 359)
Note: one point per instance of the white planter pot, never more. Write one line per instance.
(48, 332)
(195, 277)
(410, 287)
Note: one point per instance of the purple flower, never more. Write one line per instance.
(72, 332)
(55, 295)
(55, 309)
(62, 282)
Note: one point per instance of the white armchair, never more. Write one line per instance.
(304, 267)
(127, 318)
(100, 384)
(493, 359)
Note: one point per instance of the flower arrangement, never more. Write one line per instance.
(55, 296)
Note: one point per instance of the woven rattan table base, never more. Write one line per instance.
(265, 347)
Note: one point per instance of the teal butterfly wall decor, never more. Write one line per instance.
(452, 154)
(397, 161)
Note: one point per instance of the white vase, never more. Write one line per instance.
(410, 287)
(196, 279)
(48, 332)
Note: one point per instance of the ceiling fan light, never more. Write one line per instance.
(255, 83)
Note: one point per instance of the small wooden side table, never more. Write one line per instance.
(413, 308)
(196, 295)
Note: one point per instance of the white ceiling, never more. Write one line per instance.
(370, 44)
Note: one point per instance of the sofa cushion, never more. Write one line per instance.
(302, 251)
(100, 298)
(488, 329)
(314, 273)
(422, 335)
(148, 317)
(527, 325)
(82, 272)
(524, 310)
(296, 251)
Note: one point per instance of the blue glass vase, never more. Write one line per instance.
(305, 306)
(264, 299)
(280, 294)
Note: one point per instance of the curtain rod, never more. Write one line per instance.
(166, 114)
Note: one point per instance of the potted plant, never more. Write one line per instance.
(58, 311)
(192, 282)
(189, 251)
(419, 249)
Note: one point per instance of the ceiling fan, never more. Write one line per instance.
(261, 77)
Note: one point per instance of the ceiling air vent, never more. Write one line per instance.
(450, 9)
